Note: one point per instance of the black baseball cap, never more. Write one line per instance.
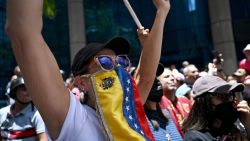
(15, 83)
(80, 62)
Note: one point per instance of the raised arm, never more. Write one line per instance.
(40, 70)
(151, 50)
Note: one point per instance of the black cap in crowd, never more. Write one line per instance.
(80, 62)
(19, 81)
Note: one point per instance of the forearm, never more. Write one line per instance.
(244, 110)
(37, 63)
(246, 124)
(24, 17)
(150, 55)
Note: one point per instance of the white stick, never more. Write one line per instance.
(131, 11)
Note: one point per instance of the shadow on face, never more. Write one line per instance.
(22, 95)
(84, 82)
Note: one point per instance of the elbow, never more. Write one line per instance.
(12, 35)
(144, 87)
(21, 32)
(144, 82)
(11, 31)
(8, 29)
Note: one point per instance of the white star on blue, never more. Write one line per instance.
(129, 103)
(130, 117)
(136, 126)
(127, 108)
(128, 90)
(126, 99)
(128, 81)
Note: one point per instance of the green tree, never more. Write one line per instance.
(49, 8)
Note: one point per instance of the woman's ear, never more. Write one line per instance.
(77, 81)
(80, 82)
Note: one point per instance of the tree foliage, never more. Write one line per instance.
(49, 8)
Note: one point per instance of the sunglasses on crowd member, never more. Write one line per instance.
(231, 96)
(107, 62)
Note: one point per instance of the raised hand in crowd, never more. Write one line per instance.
(44, 81)
(151, 43)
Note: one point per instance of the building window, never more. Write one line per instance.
(191, 5)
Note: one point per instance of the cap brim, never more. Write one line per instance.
(119, 45)
(237, 74)
(247, 49)
(238, 87)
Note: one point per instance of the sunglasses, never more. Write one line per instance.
(107, 62)
(231, 96)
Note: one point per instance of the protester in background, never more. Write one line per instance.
(17, 73)
(160, 121)
(240, 75)
(65, 117)
(218, 58)
(21, 121)
(245, 63)
(172, 67)
(217, 106)
(180, 79)
(184, 65)
(178, 107)
(191, 73)
(231, 79)
(215, 69)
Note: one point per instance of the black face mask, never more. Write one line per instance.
(156, 92)
(227, 114)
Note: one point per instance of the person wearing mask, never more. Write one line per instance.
(160, 121)
(21, 121)
(217, 106)
(178, 107)
(97, 69)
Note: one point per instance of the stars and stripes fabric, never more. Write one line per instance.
(119, 107)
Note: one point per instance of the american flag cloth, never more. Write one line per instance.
(119, 106)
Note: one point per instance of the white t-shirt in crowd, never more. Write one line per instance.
(81, 124)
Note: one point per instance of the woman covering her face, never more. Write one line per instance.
(217, 107)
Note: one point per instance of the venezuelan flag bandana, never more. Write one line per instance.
(119, 106)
